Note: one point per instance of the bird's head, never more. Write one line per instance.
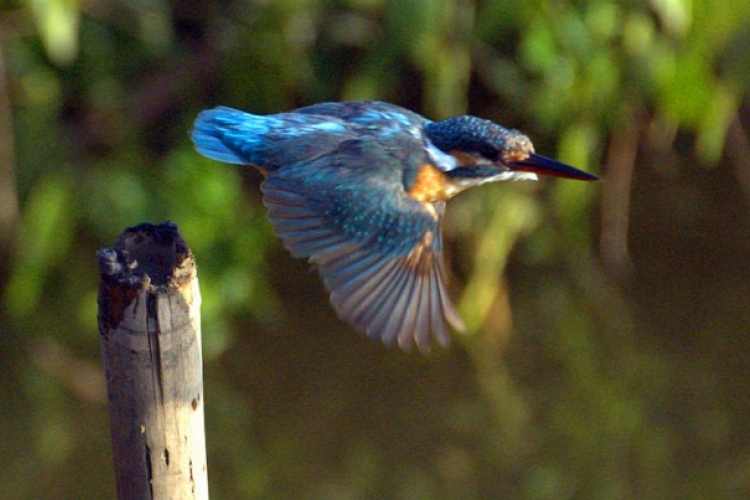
(484, 151)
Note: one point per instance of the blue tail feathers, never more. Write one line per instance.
(233, 136)
(230, 135)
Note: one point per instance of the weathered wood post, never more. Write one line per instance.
(149, 326)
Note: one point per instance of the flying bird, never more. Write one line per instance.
(359, 190)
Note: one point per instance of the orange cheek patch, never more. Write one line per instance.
(516, 156)
(431, 185)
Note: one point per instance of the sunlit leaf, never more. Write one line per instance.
(58, 22)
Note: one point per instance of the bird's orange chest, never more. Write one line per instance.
(431, 184)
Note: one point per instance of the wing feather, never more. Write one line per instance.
(386, 316)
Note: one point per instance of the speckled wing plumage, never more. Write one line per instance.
(335, 192)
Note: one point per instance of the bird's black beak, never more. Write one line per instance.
(547, 166)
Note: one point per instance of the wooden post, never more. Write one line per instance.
(149, 326)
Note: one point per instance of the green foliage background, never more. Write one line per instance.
(608, 323)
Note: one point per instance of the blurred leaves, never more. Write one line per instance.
(57, 22)
(616, 377)
(44, 241)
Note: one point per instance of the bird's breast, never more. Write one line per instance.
(431, 184)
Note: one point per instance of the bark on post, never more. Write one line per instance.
(149, 325)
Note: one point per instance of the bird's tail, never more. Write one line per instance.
(230, 135)
(269, 141)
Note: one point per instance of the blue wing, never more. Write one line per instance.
(338, 200)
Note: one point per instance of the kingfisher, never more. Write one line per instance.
(359, 190)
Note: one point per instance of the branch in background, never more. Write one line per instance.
(620, 163)
(738, 151)
(9, 211)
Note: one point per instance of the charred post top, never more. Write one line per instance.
(147, 258)
(150, 255)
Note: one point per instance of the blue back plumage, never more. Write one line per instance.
(386, 118)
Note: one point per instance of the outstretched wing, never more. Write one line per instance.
(378, 251)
